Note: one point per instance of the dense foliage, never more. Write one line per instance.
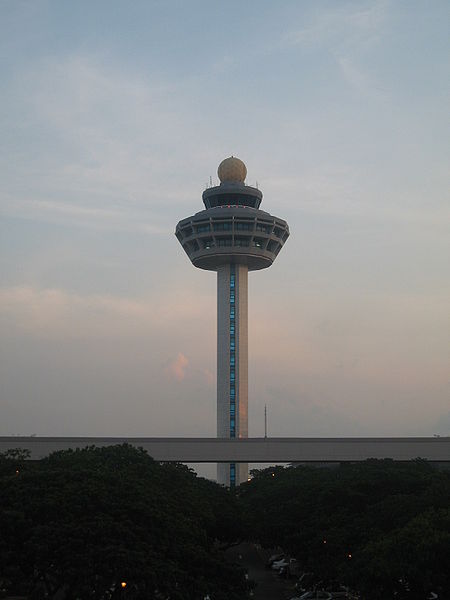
(377, 526)
(79, 523)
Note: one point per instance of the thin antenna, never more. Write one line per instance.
(265, 420)
(210, 181)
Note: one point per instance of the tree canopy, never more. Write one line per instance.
(79, 523)
(369, 525)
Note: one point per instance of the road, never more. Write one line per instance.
(268, 585)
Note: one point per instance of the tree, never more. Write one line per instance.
(80, 522)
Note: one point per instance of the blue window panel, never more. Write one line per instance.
(232, 410)
(232, 376)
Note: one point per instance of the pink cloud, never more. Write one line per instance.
(177, 368)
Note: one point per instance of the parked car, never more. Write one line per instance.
(337, 590)
(314, 595)
(289, 570)
(272, 559)
(279, 564)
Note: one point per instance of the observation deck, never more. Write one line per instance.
(232, 234)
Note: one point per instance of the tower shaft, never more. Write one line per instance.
(232, 364)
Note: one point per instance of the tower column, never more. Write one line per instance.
(232, 364)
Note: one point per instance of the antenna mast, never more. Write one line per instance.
(265, 420)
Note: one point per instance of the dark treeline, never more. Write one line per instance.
(79, 523)
(370, 525)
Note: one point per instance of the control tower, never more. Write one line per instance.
(232, 236)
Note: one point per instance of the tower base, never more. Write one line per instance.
(232, 474)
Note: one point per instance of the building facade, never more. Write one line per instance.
(232, 236)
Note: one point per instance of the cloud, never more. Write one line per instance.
(177, 368)
(114, 142)
(58, 314)
(341, 25)
(359, 78)
(209, 377)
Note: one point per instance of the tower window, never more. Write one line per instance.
(202, 228)
(222, 242)
(243, 242)
(244, 226)
(222, 226)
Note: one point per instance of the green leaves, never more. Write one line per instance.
(82, 521)
(392, 518)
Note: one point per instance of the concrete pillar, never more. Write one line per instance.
(232, 364)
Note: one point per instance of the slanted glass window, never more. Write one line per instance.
(202, 228)
(258, 243)
(222, 226)
(244, 226)
(263, 228)
(208, 243)
(223, 242)
(242, 242)
(187, 231)
(277, 231)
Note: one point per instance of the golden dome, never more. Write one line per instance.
(232, 170)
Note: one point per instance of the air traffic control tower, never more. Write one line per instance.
(232, 236)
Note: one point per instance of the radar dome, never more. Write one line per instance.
(232, 169)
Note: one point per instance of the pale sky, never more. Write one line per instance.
(113, 117)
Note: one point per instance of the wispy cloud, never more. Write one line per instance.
(341, 24)
(359, 78)
(177, 367)
(59, 314)
(113, 145)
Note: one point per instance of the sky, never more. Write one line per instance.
(113, 117)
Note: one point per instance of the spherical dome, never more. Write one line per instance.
(232, 170)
